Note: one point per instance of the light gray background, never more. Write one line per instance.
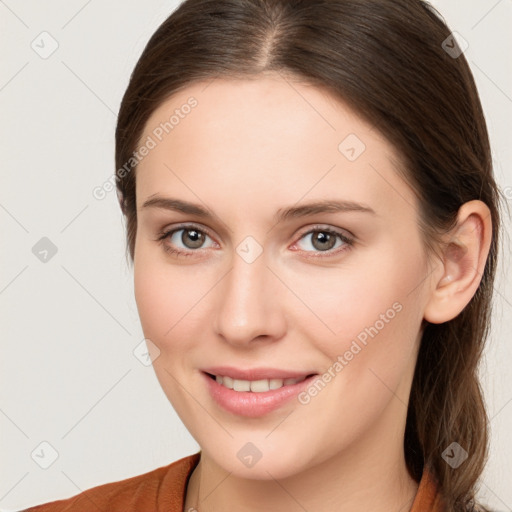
(69, 326)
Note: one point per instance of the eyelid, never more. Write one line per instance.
(305, 231)
(348, 238)
(186, 225)
(326, 227)
(345, 236)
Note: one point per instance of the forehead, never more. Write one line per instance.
(271, 102)
(269, 137)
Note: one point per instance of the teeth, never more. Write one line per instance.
(275, 383)
(256, 386)
(228, 382)
(241, 385)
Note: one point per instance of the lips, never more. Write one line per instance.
(256, 386)
(256, 373)
(254, 392)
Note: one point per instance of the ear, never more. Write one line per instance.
(463, 261)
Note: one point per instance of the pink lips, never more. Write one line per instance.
(251, 404)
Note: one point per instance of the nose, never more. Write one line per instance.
(248, 306)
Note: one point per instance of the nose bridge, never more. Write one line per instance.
(247, 304)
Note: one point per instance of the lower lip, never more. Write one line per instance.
(250, 404)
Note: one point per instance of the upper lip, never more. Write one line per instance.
(256, 373)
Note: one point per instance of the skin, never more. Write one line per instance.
(248, 149)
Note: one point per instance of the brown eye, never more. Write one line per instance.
(184, 240)
(192, 238)
(323, 240)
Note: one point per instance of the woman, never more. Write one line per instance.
(313, 222)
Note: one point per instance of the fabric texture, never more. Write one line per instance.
(163, 490)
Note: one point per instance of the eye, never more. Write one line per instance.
(323, 240)
(189, 241)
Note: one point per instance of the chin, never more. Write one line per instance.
(259, 459)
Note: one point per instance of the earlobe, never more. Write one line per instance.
(463, 263)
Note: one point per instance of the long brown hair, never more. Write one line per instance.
(390, 61)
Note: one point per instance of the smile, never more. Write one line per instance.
(256, 386)
(254, 393)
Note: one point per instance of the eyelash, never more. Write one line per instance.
(349, 242)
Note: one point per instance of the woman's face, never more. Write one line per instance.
(266, 288)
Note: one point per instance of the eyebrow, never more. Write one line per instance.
(292, 212)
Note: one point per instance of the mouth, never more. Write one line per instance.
(255, 386)
(254, 393)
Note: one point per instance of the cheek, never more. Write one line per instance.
(370, 316)
(160, 295)
(345, 301)
(152, 301)
(371, 356)
(171, 300)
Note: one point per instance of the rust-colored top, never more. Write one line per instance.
(163, 490)
(428, 498)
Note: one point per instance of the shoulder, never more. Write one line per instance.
(158, 489)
